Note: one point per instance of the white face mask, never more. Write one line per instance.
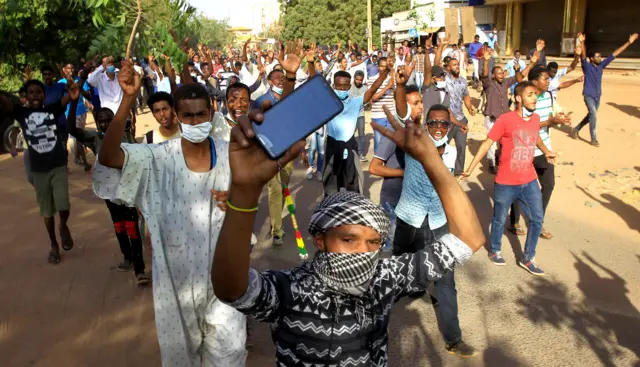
(526, 113)
(196, 133)
(440, 142)
(441, 84)
(276, 90)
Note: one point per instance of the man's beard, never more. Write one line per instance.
(455, 73)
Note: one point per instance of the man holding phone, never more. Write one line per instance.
(342, 169)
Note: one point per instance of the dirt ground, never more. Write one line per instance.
(584, 312)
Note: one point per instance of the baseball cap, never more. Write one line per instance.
(437, 71)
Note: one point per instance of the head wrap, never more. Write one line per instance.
(348, 208)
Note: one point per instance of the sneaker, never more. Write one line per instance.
(363, 158)
(461, 349)
(277, 241)
(595, 143)
(319, 176)
(531, 267)
(496, 258)
(126, 265)
(309, 173)
(574, 134)
(143, 279)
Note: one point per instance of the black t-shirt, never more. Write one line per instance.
(44, 135)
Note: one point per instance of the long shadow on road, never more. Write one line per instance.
(606, 320)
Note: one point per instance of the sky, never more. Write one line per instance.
(221, 9)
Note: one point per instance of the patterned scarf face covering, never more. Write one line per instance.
(349, 272)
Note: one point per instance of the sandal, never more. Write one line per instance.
(545, 235)
(125, 266)
(54, 258)
(143, 279)
(517, 230)
(65, 238)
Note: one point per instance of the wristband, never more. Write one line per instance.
(241, 210)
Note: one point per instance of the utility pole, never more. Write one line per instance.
(369, 29)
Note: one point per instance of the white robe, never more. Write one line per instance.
(194, 328)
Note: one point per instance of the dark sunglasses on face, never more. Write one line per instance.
(439, 123)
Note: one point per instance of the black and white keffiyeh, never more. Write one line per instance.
(348, 208)
(348, 272)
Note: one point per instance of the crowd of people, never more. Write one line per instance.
(196, 180)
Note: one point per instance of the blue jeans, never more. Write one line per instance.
(531, 200)
(419, 80)
(390, 210)
(593, 105)
(376, 135)
(447, 297)
(316, 145)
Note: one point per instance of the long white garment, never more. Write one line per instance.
(194, 328)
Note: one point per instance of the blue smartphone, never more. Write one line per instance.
(298, 115)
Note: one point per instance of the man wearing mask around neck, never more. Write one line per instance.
(434, 87)
(550, 115)
(342, 169)
(497, 93)
(104, 79)
(517, 132)
(171, 183)
(347, 286)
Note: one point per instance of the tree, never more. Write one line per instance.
(149, 26)
(273, 30)
(329, 21)
(213, 33)
(38, 32)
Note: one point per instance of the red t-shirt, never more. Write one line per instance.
(518, 139)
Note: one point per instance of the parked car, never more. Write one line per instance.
(8, 132)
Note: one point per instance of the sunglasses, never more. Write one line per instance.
(439, 123)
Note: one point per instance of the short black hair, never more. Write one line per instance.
(191, 91)
(238, 64)
(408, 89)
(476, 36)
(190, 63)
(341, 74)
(274, 71)
(486, 44)
(46, 68)
(203, 64)
(552, 65)
(235, 86)
(383, 58)
(438, 107)
(160, 96)
(535, 73)
(493, 70)
(358, 73)
(103, 109)
(521, 87)
(31, 82)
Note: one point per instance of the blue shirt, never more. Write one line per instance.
(593, 77)
(53, 93)
(491, 40)
(372, 70)
(419, 199)
(473, 49)
(269, 96)
(343, 126)
(81, 109)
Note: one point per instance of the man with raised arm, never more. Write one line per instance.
(335, 309)
(593, 71)
(171, 183)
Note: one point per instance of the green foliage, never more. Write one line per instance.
(213, 33)
(38, 32)
(330, 21)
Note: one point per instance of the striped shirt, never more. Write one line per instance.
(386, 100)
(544, 109)
(420, 63)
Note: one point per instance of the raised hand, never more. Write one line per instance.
(412, 139)
(404, 73)
(578, 50)
(250, 166)
(291, 63)
(445, 41)
(581, 37)
(535, 57)
(633, 38)
(26, 75)
(487, 55)
(128, 79)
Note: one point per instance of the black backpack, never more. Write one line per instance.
(149, 136)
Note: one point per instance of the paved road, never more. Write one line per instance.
(584, 312)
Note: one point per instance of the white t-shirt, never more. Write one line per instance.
(221, 128)
(554, 84)
(193, 326)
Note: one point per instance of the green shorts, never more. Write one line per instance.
(52, 191)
